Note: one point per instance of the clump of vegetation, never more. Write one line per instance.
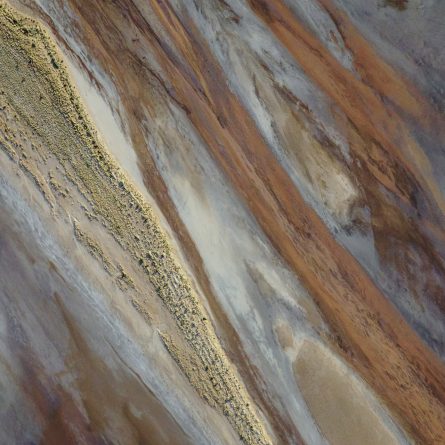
(401, 5)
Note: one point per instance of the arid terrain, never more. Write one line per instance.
(222, 222)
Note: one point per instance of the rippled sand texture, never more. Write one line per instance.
(222, 222)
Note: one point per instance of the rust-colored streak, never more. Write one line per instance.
(377, 340)
(361, 102)
(376, 73)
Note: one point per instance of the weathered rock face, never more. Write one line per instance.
(261, 258)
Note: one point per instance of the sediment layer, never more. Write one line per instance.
(36, 87)
(291, 152)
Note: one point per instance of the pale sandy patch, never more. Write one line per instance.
(341, 406)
